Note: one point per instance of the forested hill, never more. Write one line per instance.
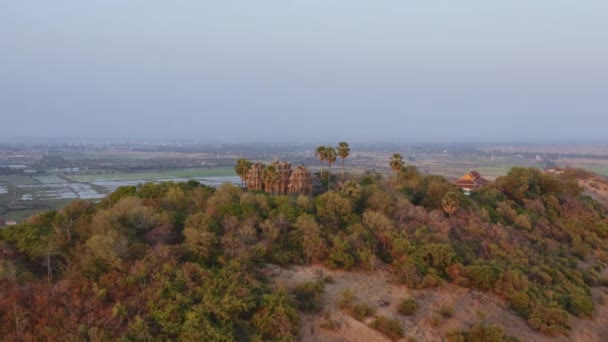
(181, 261)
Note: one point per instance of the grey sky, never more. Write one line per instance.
(315, 69)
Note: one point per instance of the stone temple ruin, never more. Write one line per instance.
(284, 169)
(300, 181)
(255, 177)
(279, 178)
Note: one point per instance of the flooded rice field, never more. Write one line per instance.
(57, 188)
(22, 195)
(111, 185)
(58, 191)
(52, 179)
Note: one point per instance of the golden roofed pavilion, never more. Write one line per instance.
(471, 181)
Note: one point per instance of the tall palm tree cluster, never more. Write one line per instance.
(277, 178)
(330, 154)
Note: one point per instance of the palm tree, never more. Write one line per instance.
(343, 152)
(397, 164)
(330, 156)
(242, 168)
(320, 153)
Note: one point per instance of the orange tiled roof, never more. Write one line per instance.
(471, 179)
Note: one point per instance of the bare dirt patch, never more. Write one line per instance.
(597, 188)
(427, 323)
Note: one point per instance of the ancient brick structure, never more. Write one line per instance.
(284, 171)
(300, 181)
(255, 177)
(279, 179)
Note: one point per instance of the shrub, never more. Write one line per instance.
(308, 295)
(446, 310)
(580, 305)
(405, 272)
(389, 327)
(520, 302)
(346, 299)
(339, 256)
(430, 280)
(436, 319)
(360, 311)
(407, 307)
(277, 319)
(481, 333)
(550, 321)
(435, 255)
(330, 325)
(482, 277)
(522, 221)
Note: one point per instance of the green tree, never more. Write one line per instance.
(277, 319)
(450, 203)
(200, 236)
(110, 247)
(313, 244)
(397, 164)
(351, 190)
(199, 325)
(28, 238)
(175, 199)
(139, 330)
(380, 225)
(343, 150)
(333, 210)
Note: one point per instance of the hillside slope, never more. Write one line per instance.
(375, 289)
(525, 256)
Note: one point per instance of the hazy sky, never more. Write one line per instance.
(314, 69)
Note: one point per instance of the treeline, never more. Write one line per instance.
(184, 261)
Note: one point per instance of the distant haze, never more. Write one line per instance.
(305, 70)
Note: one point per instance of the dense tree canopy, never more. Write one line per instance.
(184, 261)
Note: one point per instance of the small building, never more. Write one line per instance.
(470, 182)
(553, 171)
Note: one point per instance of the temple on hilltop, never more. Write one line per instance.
(300, 181)
(285, 181)
(470, 182)
(284, 169)
(255, 177)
